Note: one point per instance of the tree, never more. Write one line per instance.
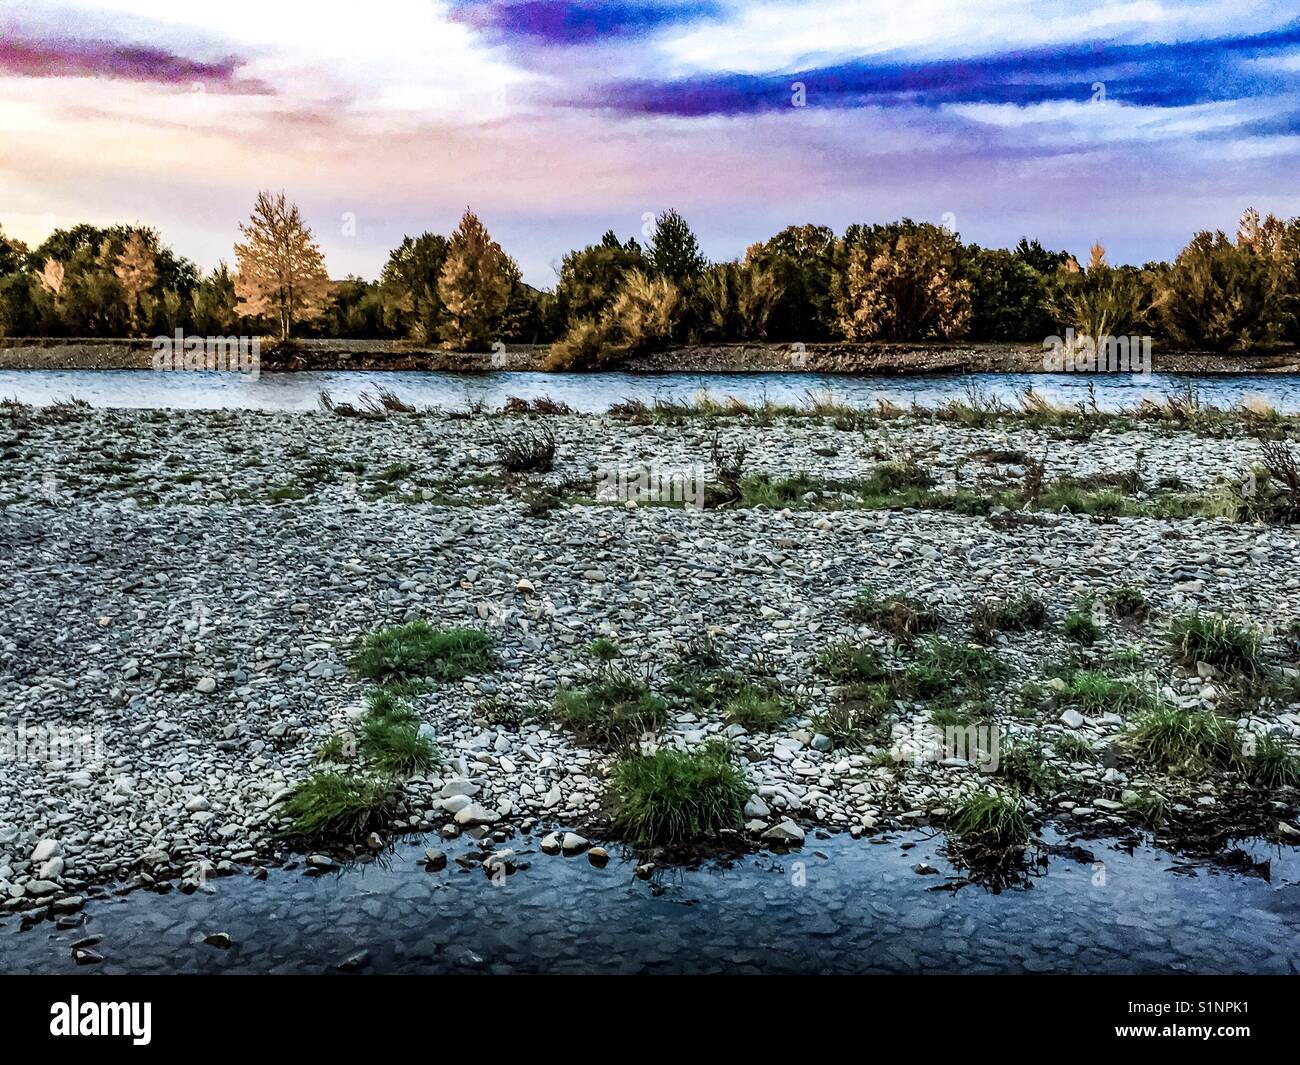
(674, 252)
(213, 302)
(136, 273)
(409, 287)
(1223, 295)
(13, 255)
(801, 260)
(591, 277)
(901, 282)
(736, 300)
(475, 286)
(1009, 296)
(280, 269)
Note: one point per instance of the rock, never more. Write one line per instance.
(435, 859)
(206, 685)
(474, 814)
(197, 805)
(573, 843)
(40, 888)
(1072, 718)
(645, 871)
(45, 850)
(598, 856)
(86, 956)
(320, 861)
(1107, 804)
(456, 803)
(353, 962)
(785, 832)
(756, 807)
(551, 843)
(1288, 831)
(552, 798)
(524, 586)
(459, 786)
(221, 940)
(51, 870)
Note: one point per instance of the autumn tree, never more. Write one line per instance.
(408, 287)
(475, 286)
(280, 269)
(136, 273)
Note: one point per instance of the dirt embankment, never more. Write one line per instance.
(44, 353)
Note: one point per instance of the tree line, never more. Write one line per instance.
(900, 281)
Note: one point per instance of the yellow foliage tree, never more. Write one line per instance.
(136, 272)
(474, 286)
(280, 267)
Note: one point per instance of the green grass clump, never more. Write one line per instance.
(335, 748)
(990, 821)
(330, 806)
(417, 649)
(853, 723)
(612, 710)
(675, 796)
(1147, 806)
(1216, 640)
(1128, 604)
(897, 615)
(1021, 614)
(940, 665)
(500, 713)
(1187, 741)
(1026, 767)
(603, 649)
(1072, 745)
(1268, 762)
(1080, 626)
(1094, 692)
(394, 746)
(757, 709)
(849, 661)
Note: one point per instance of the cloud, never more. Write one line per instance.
(83, 58)
(1152, 74)
(564, 22)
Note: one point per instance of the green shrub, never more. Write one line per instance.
(1025, 766)
(500, 713)
(1128, 604)
(1216, 640)
(1147, 806)
(417, 649)
(1270, 763)
(1094, 692)
(677, 797)
(855, 721)
(958, 663)
(332, 806)
(1072, 745)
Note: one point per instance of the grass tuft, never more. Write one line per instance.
(417, 650)
(1216, 640)
(612, 710)
(329, 805)
(675, 796)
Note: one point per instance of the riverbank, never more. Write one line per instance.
(18, 353)
(189, 588)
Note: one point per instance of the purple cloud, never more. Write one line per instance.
(565, 22)
(64, 57)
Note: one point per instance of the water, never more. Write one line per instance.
(837, 905)
(596, 392)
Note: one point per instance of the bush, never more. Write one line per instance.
(1217, 641)
(1094, 692)
(395, 747)
(333, 806)
(678, 797)
(1222, 295)
(642, 315)
(1268, 762)
(735, 301)
(475, 286)
(1079, 625)
(417, 649)
(1025, 767)
(1009, 296)
(901, 283)
(1102, 301)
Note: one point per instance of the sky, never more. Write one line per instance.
(1132, 122)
